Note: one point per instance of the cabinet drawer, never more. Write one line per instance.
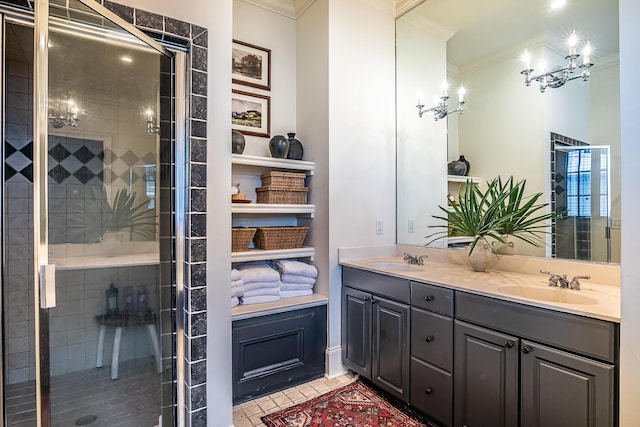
(432, 338)
(432, 298)
(432, 391)
(591, 337)
(386, 286)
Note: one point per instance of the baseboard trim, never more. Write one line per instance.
(333, 358)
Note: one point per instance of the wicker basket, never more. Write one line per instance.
(282, 195)
(280, 237)
(283, 179)
(241, 238)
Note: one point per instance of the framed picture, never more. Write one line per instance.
(251, 65)
(250, 113)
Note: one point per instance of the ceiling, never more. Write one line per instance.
(482, 28)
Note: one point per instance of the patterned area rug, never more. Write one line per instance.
(354, 405)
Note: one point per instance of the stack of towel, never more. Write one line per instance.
(261, 284)
(237, 287)
(297, 278)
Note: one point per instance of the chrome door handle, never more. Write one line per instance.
(47, 286)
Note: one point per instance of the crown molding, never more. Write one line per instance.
(281, 7)
(429, 26)
(301, 6)
(404, 6)
(387, 6)
(606, 62)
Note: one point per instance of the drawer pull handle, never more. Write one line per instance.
(527, 349)
(429, 298)
(508, 344)
(373, 300)
(428, 390)
(366, 299)
(428, 338)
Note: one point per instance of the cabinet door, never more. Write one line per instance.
(391, 347)
(561, 389)
(486, 377)
(356, 331)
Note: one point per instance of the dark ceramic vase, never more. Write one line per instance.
(466, 162)
(237, 142)
(279, 147)
(457, 168)
(296, 151)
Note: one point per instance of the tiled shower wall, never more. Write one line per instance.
(19, 284)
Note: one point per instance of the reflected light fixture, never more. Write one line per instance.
(67, 115)
(441, 107)
(558, 4)
(126, 59)
(152, 128)
(558, 76)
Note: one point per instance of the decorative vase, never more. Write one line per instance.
(457, 168)
(112, 242)
(506, 248)
(466, 162)
(279, 147)
(237, 142)
(296, 150)
(481, 257)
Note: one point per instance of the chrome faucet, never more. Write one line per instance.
(414, 260)
(557, 280)
(575, 282)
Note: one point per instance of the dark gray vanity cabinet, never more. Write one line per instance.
(432, 351)
(562, 389)
(375, 329)
(486, 377)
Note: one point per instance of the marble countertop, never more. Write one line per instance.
(593, 300)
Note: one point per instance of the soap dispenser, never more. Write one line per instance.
(112, 300)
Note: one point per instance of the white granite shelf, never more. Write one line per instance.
(463, 179)
(459, 239)
(266, 209)
(288, 304)
(96, 261)
(261, 255)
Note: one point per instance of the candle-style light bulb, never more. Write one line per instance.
(149, 114)
(573, 42)
(445, 88)
(526, 58)
(461, 92)
(586, 54)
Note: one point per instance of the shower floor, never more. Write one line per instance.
(131, 400)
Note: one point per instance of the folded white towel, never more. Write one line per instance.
(297, 267)
(297, 278)
(298, 293)
(236, 283)
(286, 286)
(259, 285)
(234, 301)
(259, 274)
(235, 275)
(260, 299)
(262, 291)
(251, 264)
(237, 291)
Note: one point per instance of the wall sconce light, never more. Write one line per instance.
(560, 75)
(441, 109)
(151, 123)
(67, 115)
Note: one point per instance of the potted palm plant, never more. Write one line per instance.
(490, 217)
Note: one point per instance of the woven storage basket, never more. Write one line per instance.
(280, 237)
(282, 195)
(283, 179)
(241, 238)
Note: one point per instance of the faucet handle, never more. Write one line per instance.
(575, 282)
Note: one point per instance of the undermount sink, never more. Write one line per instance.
(394, 266)
(551, 294)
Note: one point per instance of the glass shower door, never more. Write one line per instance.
(102, 110)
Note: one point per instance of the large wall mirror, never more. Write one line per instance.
(565, 141)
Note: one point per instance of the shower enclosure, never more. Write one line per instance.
(88, 203)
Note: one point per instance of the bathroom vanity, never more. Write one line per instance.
(482, 355)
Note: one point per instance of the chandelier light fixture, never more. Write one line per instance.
(441, 109)
(68, 114)
(558, 76)
(152, 127)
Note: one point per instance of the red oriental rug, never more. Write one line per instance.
(354, 405)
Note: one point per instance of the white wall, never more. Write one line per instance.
(630, 129)
(273, 31)
(217, 17)
(421, 141)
